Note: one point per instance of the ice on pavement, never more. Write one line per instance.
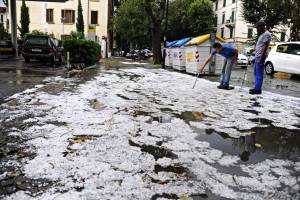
(123, 160)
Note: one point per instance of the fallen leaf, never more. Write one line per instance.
(186, 198)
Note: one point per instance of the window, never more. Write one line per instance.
(231, 32)
(250, 33)
(232, 15)
(233, 1)
(223, 18)
(216, 20)
(68, 16)
(94, 17)
(294, 49)
(1, 20)
(217, 4)
(282, 48)
(49, 16)
(282, 36)
(224, 3)
(222, 32)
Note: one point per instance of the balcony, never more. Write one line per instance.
(229, 23)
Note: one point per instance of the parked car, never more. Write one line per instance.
(42, 48)
(284, 57)
(6, 48)
(242, 61)
(251, 58)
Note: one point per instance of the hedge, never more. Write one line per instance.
(82, 51)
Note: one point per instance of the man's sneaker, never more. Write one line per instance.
(251, 90)
(222, 87)
(255, 92)
(225, 87)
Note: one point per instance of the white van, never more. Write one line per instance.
(284, 57)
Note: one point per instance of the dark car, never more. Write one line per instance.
(43, 48)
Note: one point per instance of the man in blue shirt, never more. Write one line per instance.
(230, 54)
(260, 56)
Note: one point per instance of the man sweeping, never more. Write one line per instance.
(231, 55)
(260, 55)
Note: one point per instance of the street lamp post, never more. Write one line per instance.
(14, 25)
(165, 37)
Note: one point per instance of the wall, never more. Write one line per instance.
(37, 13)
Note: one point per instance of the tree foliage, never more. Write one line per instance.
(293, 13)
(189, 18)
(271, 11)
(24, 21)
(80, 23)
(132, 25)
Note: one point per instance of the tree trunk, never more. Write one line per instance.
(156, 43)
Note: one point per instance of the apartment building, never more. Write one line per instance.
(231, 26)
(3, 16)
(59, 18)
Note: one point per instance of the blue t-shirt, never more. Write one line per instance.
(227, 52)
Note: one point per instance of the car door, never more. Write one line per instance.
(280, 58)
(294, 62)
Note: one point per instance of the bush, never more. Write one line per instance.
(82, 51)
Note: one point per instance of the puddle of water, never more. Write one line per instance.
(19, 182)
(164, 196)
(187, 116)
(264, 143)
(191, 116)
(250, 111)
(123, 97)
(156, 152)
(174, 169)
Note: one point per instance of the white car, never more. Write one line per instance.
(284, 57)
(242, 61)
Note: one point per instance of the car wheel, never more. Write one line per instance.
(27, 60)
(269, 68)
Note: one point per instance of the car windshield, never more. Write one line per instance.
(37, 41)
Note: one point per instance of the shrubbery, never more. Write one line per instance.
(82, 50)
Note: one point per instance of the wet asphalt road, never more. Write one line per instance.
(16, 76)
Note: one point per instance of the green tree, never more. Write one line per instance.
(155, 10)
(24, 21)
(132, 25)
(190, 18)
(293, 18)
(271, 11)
(80, 23)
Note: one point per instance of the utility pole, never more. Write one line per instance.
(236, 10)
(165, 37)
(88, 16)
(13, 17)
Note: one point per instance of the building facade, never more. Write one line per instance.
(230, 25)
(59, 19)
(3, 16)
